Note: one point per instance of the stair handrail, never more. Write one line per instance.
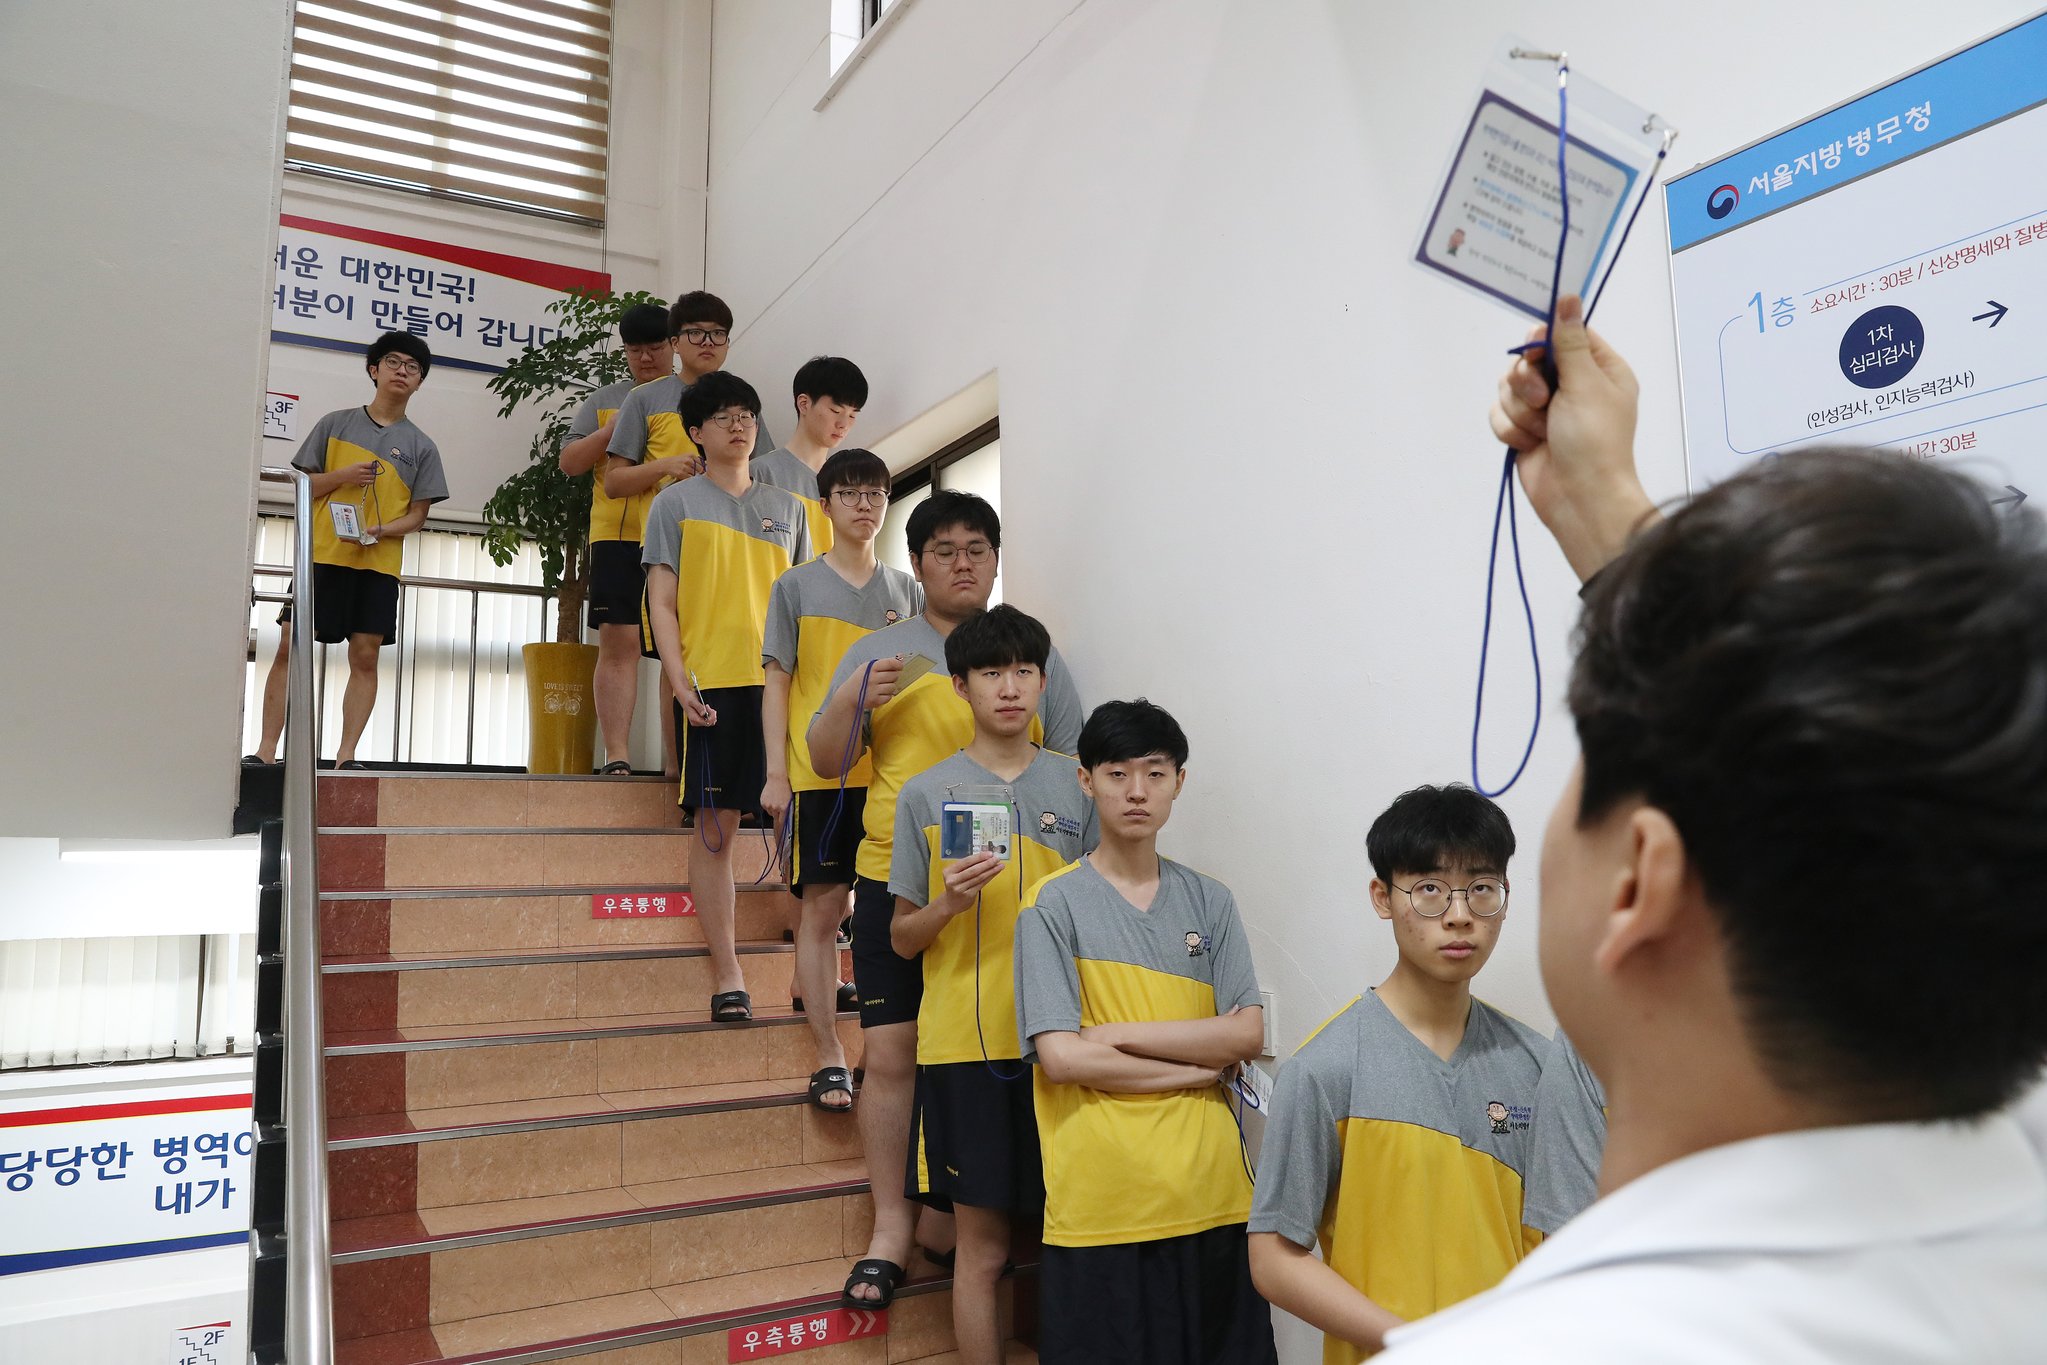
(309, 1289)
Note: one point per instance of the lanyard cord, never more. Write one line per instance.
(1505, 498)
(831, 824)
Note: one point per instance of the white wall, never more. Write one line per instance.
(652, 239)
(141, 171)
(1246, 468)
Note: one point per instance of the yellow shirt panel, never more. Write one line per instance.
(822, 642)
(1103, 1152)
(963, 1013)
(626, 518)
(1420, 1221)
(386, 500)
(721, 636)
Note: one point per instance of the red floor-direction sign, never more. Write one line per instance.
(827, 1327)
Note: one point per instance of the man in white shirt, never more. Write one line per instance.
(1791, 908)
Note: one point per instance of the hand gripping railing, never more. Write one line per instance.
(308, 1288)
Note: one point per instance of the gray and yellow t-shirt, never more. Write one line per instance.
(726, 554)
(785, 469)
(610, 518)
(1407, 1168)
(814, 617)
(1132, 1168)
(650, 424)
(926, 721)
(1570, 1139)
(969, 1009)
(410, 472)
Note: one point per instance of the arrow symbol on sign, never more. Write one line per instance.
(2017, 498)
(862, 1320)
(1996, 315)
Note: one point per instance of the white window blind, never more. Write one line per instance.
(502, 102)
(79, 1001)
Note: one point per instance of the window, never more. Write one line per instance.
(972, 464)
(83, 1001)
(498, 102)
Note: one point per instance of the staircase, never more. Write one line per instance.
(539, 1148)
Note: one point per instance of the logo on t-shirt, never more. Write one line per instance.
(891, 616)
(1508, 1118)
(1197, 943)
(1052, 822)
(773, 527)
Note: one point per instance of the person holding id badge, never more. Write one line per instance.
(374, 476)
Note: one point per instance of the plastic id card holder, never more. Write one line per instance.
(347, 518)
(1495, 223)
(975, 820)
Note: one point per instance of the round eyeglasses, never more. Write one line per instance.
(1431, 896)
(977, 553)
(733, 421)
(861, 497)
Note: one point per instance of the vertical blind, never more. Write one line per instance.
(503, 102)
(78, 1001)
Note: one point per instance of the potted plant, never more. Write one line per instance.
(552, 509)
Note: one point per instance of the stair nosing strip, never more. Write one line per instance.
(396, 893)
(566, 1035)
(590, 1120)
(676, 1328)
(461, 1241)
(641, 831)
(624, 952)
(464, 775)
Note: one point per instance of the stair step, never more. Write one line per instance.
(384, 999)
(508, 799)
(353, 858)
(414, 920)
(403, 1163)
(465, 1225)
(675, 1324)
(337, 964)
(431, 1069)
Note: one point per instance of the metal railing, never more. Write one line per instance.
(309, 1306)
(408, 586)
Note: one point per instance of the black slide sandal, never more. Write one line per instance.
(847, 999)
(731, 1007)
(618, 767)
(826, 1080)
(885, 1276)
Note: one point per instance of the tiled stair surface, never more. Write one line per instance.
(538, 1142)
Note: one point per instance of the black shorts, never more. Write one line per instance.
(617, 583)
(891, 987)
(351, 602)
(827, 836)
(1175, 1301)
(974, 1139)
(724, 766)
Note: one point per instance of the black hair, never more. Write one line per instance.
(404, 343)
(1830, 673)
(833, 377)
(714, 393)
(1439, 827)
(946, 509)
(997, 638)
(1119, 731)
(697, 306)
(643, 324)
(851, 468)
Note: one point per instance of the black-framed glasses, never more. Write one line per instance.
(977, 553)
(861, 497)
(733, 421)
(399, 364)
(1431, 896)
(702, 336)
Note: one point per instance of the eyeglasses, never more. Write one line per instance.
(861, 497)
(1485, 897)
(977, 553)
(699, 336)
(400, 364)
(734, 421)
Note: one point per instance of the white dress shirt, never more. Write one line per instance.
(1879, 1244)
